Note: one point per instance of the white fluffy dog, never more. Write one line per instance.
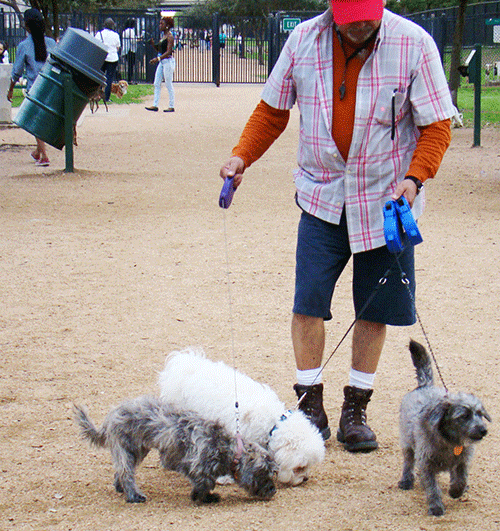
(192, 381)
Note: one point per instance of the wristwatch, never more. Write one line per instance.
(418, 183)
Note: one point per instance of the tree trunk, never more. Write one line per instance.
(456, 51)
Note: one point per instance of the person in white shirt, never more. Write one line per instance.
(129, 41)
(111, 40)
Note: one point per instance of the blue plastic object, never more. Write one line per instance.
(392, 228)
(227, 193)
(400, 226)
(408, 221)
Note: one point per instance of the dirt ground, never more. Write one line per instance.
(106, 270)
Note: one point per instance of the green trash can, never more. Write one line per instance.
(42, 111)
(77, 55)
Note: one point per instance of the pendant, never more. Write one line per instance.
(342, 90)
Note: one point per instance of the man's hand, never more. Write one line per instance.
(234, 167)
(10, 92)
(406, 188)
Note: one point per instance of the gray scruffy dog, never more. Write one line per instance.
(438, 430)
(200, 450)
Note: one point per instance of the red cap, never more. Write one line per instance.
(347, 11)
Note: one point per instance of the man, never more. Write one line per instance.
(111, 41)
(375, 123)
(129, 40)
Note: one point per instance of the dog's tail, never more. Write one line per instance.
(422, 364)
(88, 430)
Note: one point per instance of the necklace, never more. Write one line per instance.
(366, 44)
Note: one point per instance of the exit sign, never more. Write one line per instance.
(290, 23)
(493, 22)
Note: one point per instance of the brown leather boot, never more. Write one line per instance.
(353, 432)
(312, 406)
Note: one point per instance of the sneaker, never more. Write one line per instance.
(312, 406)
(353, 432)
(35, 156)
(170, 109)
(42, 162)
(153, 108)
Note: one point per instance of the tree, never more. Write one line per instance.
(249, 18)
(456, 51)
(50, 9)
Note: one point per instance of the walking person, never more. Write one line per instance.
(31, 55)
(111, 40)
(129, 41)
(375, 123)
(165, 62)
(222, 41)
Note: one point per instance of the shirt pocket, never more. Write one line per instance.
(390, 106)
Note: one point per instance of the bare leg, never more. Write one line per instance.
(367, 344)
(41, 150)
(308, 338)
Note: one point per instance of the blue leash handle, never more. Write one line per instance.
(400, 226)
(227, 193)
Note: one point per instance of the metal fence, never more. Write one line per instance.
(221, 52)
(242, 50)
(440, 23)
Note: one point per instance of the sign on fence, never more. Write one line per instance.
(495, 22)
(290, 23)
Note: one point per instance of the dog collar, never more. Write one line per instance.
(458, 450)
(282, 418)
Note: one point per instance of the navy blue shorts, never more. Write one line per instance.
(323, 251)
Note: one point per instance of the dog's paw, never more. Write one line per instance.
(136, 498)
(457, 490)
(211, 497)
(436, 509)
(204, 497)
(406, 483)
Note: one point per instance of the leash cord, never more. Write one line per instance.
(406, 282)
(231, 322)
(381, 282)
(368, 301)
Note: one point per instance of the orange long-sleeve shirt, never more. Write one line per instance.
(267, 123)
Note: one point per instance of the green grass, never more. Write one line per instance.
(490, 105)
(490, 101)
(135, 94)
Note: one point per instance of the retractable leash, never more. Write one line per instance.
(381, 282)
(225, 200)
(400, 228)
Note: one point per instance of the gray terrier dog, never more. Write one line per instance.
(200, 450)
(438, 430)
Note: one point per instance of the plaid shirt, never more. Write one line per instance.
(404, 67)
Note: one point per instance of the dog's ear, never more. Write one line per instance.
(485, 414)
(436, 415)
